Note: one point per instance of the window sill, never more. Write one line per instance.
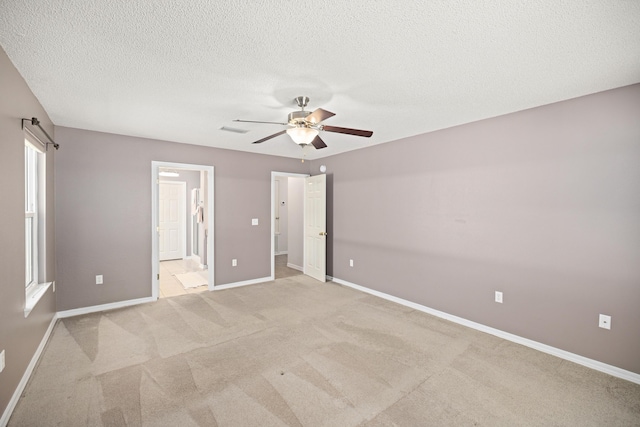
(34, 294)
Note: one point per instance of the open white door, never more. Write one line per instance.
(315, 220)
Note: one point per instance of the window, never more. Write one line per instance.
(31, 213)
(34, 224)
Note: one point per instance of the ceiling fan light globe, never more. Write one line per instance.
(302, 135)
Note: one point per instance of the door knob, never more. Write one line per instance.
(322, 233)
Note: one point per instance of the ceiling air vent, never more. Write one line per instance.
(234, 130)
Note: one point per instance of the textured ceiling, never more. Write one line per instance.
(180, 71)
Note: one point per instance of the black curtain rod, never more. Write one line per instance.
(35, 122)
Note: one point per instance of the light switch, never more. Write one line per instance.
(254, 221)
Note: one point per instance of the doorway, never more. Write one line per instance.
(196, 262)
(180, 270)
(287, 224)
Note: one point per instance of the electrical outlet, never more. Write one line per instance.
(99, 279)
(234, 262)
(1, 360)
(604, 321)
(350, 263)
(499, 297)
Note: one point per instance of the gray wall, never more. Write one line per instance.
(19, 337)
(543, 205)
(103, 208)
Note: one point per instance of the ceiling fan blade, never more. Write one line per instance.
(356, 132)
(269, 137)
(254, 121)
(318, 143)
(319, 115)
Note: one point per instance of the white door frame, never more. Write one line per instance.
(155, 258)
(183, 214)
(273, 214)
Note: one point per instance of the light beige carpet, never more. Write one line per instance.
(297, 352)
(281, 268)
(192, 279)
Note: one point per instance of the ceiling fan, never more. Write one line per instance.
(304, 126)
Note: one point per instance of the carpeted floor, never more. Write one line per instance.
(297, 352)
(281, 269)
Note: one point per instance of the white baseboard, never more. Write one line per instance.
(244, 283)
(572, 357)
(103, 307)
(295, 267)
(27, 374)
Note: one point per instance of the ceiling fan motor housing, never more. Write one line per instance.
(298, 117)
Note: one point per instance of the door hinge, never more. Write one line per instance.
(158, 276)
